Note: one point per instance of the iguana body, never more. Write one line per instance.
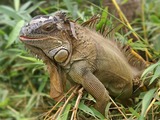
(83, 56)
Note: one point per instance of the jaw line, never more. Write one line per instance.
(35, 54)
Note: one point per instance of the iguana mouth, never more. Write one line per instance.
(25, 38)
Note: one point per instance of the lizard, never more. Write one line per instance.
(80, 54)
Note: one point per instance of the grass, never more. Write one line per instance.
(24, 81)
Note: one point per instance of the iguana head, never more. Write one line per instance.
(49, 35)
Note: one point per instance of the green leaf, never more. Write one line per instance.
(124, 1)
(107, 110)
(97, 114)
(154, 19)
(31, 102)
(146, 101)
(4, 103)
(149, 69)
(69, 5)
(43, 10)
(157, 103)
(81, 15)
(103, 19)
(134, 112)
(14, 33)
(65, 114)
(16, 4)
(2, 32)
(25, 6)
(156, 74)
(10, 12)
(31, 9)
(42, 85)
(30, 59)
(4, 100)
(86, 109)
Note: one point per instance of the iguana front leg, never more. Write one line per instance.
(97, 90)
(80, 74)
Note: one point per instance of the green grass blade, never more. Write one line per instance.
(134, 112)
(31, 9)
(14, 33)
(69, 5)
(146, 101)
(156, 74)
(86, 109)
(149, 69)
(30, 59)
(103, 19)
(65, 113)
(42, 85)
(31, 103)
(97, 113)
(10, 12)
(16, 4)
(25, 6)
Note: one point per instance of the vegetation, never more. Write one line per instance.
(24, 82)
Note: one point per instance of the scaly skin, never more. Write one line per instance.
(82, 55)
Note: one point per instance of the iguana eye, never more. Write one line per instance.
(49, 27)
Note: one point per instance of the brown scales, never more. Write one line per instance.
(98, 64)
(134, 59)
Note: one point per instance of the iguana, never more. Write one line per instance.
(83, 56)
